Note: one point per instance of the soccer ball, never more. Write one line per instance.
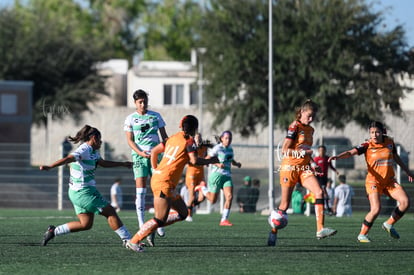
(278, 219)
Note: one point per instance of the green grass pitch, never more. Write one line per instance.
(202, 247)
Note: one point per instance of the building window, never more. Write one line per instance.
(193, 94)
(8, 104)
(173, 94)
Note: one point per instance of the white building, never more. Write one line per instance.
(169, 83)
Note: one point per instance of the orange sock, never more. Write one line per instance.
(145, 230)
(320, 217)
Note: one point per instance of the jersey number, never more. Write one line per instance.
(170, 153)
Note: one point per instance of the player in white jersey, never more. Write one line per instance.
(83, 194)
(141, 129)
(220, 176)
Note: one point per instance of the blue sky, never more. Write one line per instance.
(397, 12)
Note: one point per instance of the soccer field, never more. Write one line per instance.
(202, 247)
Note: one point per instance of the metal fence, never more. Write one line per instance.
(25, 186)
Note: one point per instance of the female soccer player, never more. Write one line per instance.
(194, 175)
(220, 176)
(296, 168)
(178, 150)
(380, 155)
(83, 194)
(141, 129)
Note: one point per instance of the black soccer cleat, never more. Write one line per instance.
(49, 234)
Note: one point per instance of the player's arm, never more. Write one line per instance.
(109, 163)
(163, 133)
(133, 145)
(235, 163)
(399, 161)
(63, 161)
(154, 154)
(344, 155)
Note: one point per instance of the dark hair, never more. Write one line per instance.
(85, 134)
(227, 132)
(322, 146)
(342, 178)
(189, 124)
(379, 125)
(140, 94)
(308, 105)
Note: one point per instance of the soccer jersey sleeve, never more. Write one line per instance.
(292, 131)
(362, 148)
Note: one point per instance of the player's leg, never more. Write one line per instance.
(399, 194)
(228, 197)
(375, 208)
(162, 209)
(310, 182)
(115, 222)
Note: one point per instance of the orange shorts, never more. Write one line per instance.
(164, 189)
(385, 187)
(290, 175)
(193, 178)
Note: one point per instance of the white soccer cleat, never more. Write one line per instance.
(390, 230)
(325, 232)
(363, 238)
(161, 231)
(134, 247)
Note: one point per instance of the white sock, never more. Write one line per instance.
(140, 204)
(225, 215)
(123, 233)
(62, 229)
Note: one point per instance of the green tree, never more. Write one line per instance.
(333, 51)
(62, 67)
(171, 29)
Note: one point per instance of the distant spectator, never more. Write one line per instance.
(330, 191)
(343, 198)
(298, 203)
(243, 196)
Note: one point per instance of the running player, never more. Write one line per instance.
(83, 194)
(220, 176)
(380, 155)
(141, 129)
(178, 150)
(296, 168)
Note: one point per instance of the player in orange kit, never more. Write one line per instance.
(380, 154)
(296, 168)
(178, 150)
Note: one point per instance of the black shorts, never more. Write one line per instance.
(322, 181)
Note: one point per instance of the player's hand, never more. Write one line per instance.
(44, 168)
(238, 164)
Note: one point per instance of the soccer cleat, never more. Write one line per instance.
(151, 239)
(363, 238)
(161, 231)
(325, 232)
(189, 219)
(226, 223)
(271, 241)
(49, 234)
(390, 230)
(134, 247)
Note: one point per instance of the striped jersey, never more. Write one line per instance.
(82, 172)
(225, 156)
(145, 129)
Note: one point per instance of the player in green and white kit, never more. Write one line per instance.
(220, 175)
(83, 194)
(141, 129)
